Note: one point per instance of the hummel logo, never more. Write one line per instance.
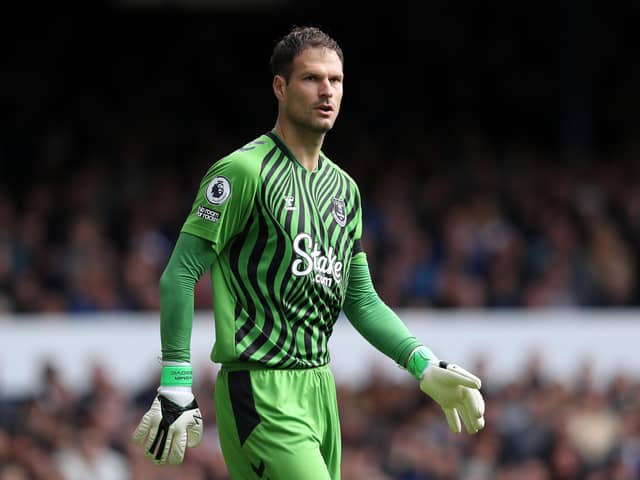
(259, 469)
(289, 202)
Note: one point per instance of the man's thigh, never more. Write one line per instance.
(270, 436)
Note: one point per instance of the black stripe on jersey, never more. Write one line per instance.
(326, 175)
(272, 271)
(298, 286)
(328, 194)
(321, 339)
(252, 275)
(265, 160)
(307, 316)
(276, 193)
(329, 190)
(308, 336)
(234, 253)
(283, 337)
(272, 170)
(279, 190)
(289, 358)
(299, 294)
(302, 315)
(271, 281)
(304, 323)
(305, 187)
(237, 311)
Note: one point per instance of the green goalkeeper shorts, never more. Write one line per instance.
(278, 424)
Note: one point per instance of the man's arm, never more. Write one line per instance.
(375, 321)
(191, 257)
(220, 208)
(452, 387)
(174, 421)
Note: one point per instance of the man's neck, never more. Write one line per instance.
(304, 146)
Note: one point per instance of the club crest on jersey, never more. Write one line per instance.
(218, 190)
(339, 211)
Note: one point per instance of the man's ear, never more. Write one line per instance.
(279, 87)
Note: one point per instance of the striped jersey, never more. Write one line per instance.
(284, 239)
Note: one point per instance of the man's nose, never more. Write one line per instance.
(325, 89)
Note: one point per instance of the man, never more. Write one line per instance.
(279, 226)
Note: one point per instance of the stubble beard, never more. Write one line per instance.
(311, 125)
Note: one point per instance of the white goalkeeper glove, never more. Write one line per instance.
(174, 421)
(452, 387)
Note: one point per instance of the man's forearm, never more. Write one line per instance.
(375, 321)
(191, 257)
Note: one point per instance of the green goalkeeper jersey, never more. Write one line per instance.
(284, 239)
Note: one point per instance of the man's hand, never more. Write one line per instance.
(173, 423)
(458, 394)
(453, 388)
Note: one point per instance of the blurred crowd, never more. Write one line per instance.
(537, 428)
(522, 229)
(89, 227)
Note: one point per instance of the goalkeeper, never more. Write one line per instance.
(279, 226)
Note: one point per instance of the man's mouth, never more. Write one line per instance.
(325, 108)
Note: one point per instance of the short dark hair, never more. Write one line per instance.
(294, 42)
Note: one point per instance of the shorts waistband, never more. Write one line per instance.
(235, 366)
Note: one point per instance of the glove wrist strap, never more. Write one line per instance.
(176, 376)
(419, 360)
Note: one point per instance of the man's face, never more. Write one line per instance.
(311, 98)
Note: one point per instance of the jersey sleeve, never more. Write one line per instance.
(224, 201)
(190, 258)
(375, 321)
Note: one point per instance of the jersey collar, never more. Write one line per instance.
(282, 146)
